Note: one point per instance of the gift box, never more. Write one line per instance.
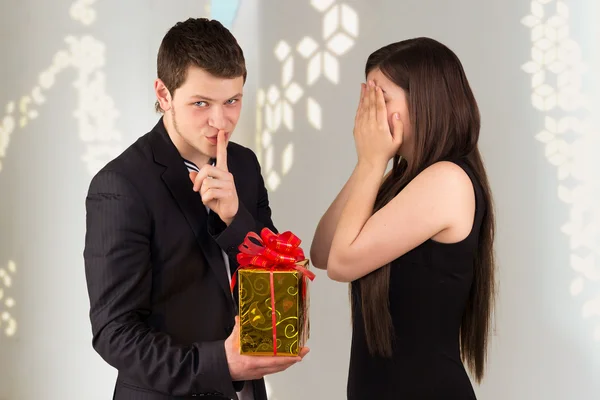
(273, 294)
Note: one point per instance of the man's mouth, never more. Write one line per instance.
(213, 139)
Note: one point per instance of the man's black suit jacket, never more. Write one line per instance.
(160, 303)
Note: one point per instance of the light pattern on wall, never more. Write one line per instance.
(8, 323)
(83, 12)
(571, 141)
(276, 103)
(95, 113)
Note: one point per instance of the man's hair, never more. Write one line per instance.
(200, 42)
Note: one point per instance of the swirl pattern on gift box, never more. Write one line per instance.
(570, 140)
(259, 289)
(256, 307)
(276, 104)
(260, 286)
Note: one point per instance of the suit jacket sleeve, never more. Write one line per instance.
(230, 237)
(118, 271)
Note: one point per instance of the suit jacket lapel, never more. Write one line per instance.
(176, 179)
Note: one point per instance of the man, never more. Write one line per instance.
(162, 237)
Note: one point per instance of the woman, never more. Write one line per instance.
(417, 244)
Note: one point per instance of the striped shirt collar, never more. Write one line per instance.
(193, 167)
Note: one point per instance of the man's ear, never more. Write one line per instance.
(163, 95)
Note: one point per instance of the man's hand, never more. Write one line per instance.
(216, 186)
(243, 368)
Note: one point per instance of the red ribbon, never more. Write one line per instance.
(275, 252)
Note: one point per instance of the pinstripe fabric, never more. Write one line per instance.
(160, 306)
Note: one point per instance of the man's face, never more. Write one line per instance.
(202, 106)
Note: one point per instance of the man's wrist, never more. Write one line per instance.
(229, 220)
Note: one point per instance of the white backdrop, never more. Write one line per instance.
(77, 89)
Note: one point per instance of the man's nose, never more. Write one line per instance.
(217, 118)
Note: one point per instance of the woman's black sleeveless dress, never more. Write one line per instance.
(429, 288)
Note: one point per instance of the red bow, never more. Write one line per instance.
(275, 252)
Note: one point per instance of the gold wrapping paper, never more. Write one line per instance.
(256, 330)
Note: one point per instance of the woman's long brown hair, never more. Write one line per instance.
(445, 122)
